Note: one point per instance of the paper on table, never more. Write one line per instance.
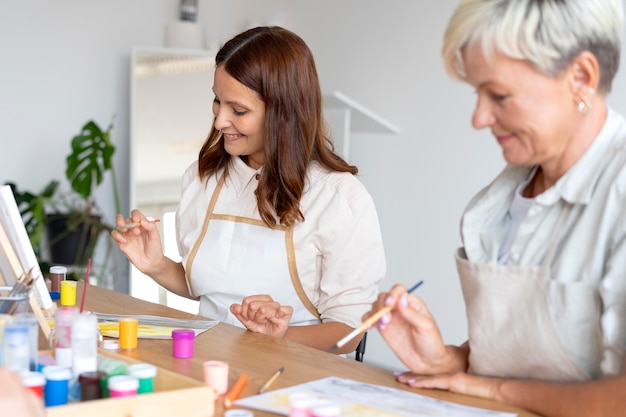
(152, 327)
(358, 399)
(149, 327)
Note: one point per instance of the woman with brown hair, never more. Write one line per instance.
(275, 231)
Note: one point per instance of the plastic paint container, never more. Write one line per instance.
(57, 385)
(325, 409)
(110, 367)
(34, 381)
(57, 274)
(84, 343)
(238, 413)
(145, 373)
(123, 386)
(182, 346)
(90, 388)
(216, 375)
(68, 293)
(300, 403)
(128, 333)
(63, 335)
(109, 344)
(17, 346)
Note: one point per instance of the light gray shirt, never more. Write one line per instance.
(588, 293)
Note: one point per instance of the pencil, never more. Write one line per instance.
(271, 380)
(135, 224)
(235, 391)
(369, 322)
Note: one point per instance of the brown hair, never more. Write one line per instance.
(278, 65)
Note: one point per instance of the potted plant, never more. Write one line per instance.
(72, 222)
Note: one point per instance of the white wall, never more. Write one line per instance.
(66, 61)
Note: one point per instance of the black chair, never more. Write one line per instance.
(360, 349)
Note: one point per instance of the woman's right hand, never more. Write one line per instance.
(141, 244)
(412, 333)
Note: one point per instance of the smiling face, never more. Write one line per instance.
(240, 115)
(532, 116)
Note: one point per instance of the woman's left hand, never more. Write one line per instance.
(458, 382)
(261, 314)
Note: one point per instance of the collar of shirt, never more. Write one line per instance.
(577, 184)
(241, 176)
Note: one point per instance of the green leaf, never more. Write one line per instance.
(33, 211)
(91, 156)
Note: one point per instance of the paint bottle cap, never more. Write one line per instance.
(183, 334)
(33, 379)
(57, 373)
(123, 383)
(325, 409)
(142, 370)
(58, 269)
(110, 344)
(238, 413)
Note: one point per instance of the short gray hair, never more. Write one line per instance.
(546, 33)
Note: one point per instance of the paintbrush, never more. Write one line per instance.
(369, 322)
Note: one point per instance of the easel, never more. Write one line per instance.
(17, 258)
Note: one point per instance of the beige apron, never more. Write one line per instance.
(510, 326)
(238, 256)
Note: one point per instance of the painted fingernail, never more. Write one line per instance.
(404, 301)
(388, 300)
(385, 318)
(397, 373)
(411, 381)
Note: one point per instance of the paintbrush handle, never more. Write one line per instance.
(364, 326)
(373, 319)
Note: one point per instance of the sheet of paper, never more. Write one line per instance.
(149, 327)
(152, 327)
(358, 399)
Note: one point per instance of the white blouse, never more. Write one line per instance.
(339, 250)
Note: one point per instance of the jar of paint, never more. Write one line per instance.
(68, 293)
(34, 381)
(123, 386)
(182, 346)
(128, 333)
(84, 343)
(57, 274)
(57, 384)
(145, 373)
(110, 367)
(325, 409)
(90, 388)
(300, 403)
(63, 335)
(216, 375)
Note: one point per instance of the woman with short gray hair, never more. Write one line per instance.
(543, 262)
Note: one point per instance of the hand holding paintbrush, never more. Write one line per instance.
(370, 321)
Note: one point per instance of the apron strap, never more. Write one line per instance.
(205, 225)
(295, 278)
(291, 254)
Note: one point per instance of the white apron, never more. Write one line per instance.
(238, 256)
(511, 330)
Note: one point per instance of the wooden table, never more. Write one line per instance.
(257, 355)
